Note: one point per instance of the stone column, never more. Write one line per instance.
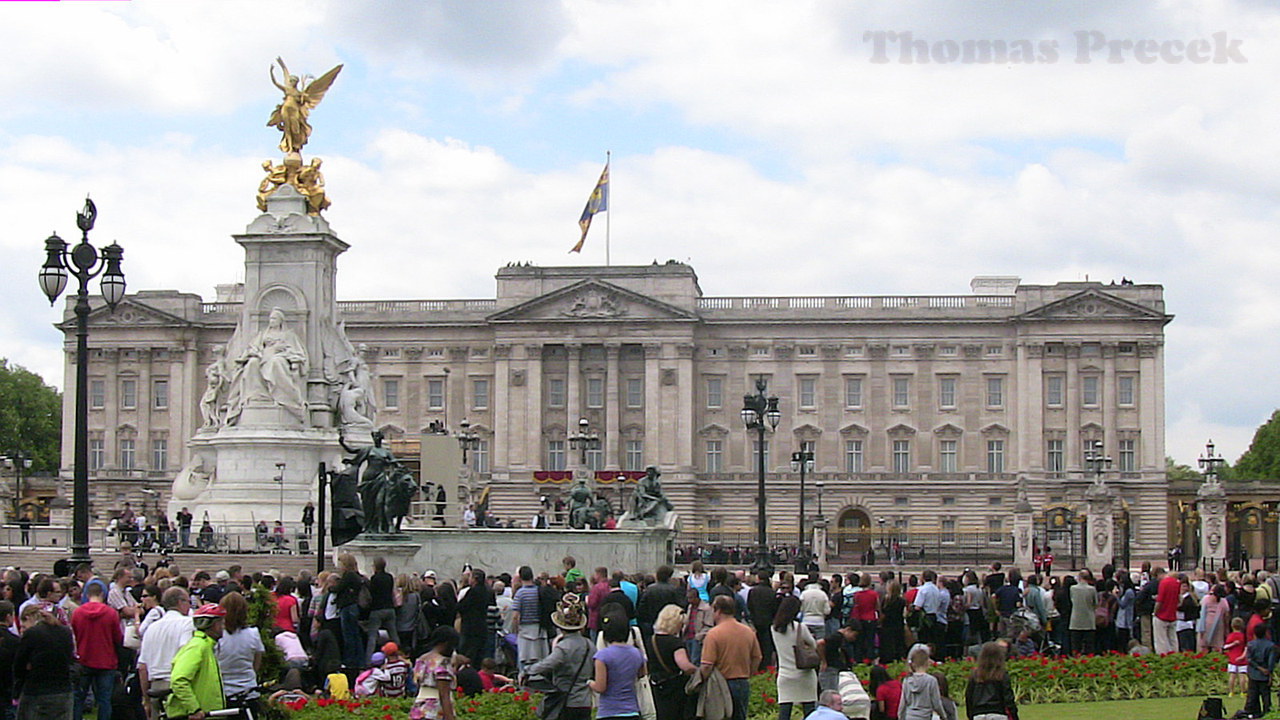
(1023, 530)
(500, 401)
(1211, 503)
(572, 402)
(820, 541)
(652, 401)
(1071, 463)
(532, 455)
(612, 405)
(1100, 539)
(686, 427)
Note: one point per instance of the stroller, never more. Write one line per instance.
(1025, 620)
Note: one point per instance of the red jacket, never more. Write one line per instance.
(97, 629)
(1167, 598)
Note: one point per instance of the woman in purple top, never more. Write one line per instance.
(618, 666)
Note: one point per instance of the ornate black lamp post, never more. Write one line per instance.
(1210, 463)
(19, 462)
(585, 439)
(802, 461)
(467, 439)
(761, 414)
(821, 486)
(1096, 460)
(85, 264)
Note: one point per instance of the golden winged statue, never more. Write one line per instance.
(290, 116)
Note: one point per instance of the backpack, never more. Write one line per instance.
(1212, 709)
(1102, 613)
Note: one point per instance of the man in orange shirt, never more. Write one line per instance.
(731, 647)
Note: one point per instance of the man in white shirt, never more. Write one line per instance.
(162, 641)
(814, 607)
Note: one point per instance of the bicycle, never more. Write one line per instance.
(239, 705)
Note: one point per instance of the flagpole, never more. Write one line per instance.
(608, 154)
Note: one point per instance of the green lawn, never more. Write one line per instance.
(1153, 709)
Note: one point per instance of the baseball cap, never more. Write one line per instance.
(390, 649)
(222, 575)
(429, 574)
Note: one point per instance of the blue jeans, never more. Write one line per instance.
(104, 684)
(352, 637)
(740, 691)
(693, 648)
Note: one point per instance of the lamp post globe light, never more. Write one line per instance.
(583, 440)
(1096, 460)
(84, 263)
(1210, 463)
(761, 414)
(802, 462)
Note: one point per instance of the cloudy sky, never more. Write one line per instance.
(836, 148)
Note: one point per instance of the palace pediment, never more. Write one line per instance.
(592, 301)
(1093, 304)
(131, 313)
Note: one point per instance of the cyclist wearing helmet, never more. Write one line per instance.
(195, 682)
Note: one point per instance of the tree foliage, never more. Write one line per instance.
(30, 417)
(1262, 460)
(1176, 471)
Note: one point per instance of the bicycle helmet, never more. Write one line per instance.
(210, 610)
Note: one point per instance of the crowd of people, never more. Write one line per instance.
(159, 642)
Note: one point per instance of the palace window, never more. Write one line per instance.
(159, 453)
(853, 392)
(1128, 456)
(480, 457)
(947, 393)
(901, 392)
(1089, 391)
(1124, 391)
(479, 394)
(1054, 456)
(128, 454)
(995, 456)
(595, 392)
(97, 394)
(948, 528)
(1053, 390)
(435, 394)
(160, 394)
(853, 456)
(128, 394)
(555, 455)
(902, 456)
(995, 392)
(715, 392)
(808, 392)
(947, 450)
(97, 453)
(595, 459)
(995, 530)
(715, 456)
(756, 450)
(555, 392)
(635, 392)
(635, 455)
(391, 393)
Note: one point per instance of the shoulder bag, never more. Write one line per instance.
(806, 654)
(555, 700)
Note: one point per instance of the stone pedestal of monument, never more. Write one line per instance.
(1023, 540)
(1100, 528)
(497, 550)
(1211, 504)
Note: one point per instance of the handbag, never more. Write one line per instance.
(555, 700)
(806, 654)
(644, 692)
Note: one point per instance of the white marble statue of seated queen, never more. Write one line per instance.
(274, 368)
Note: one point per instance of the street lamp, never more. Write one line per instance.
(84, 262)
(820, 485)
(585, 439)
(802, 461)
(467, 439)
(18, 462)
(760, 413)
(280, 479)
(1210, 463)
(1096, 460)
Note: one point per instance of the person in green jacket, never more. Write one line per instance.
(195, 683)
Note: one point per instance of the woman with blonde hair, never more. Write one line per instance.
(669, 664)
(407, 588)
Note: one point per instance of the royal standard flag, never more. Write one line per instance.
(597, 203)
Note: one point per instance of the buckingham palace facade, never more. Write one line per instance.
(924, 413)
